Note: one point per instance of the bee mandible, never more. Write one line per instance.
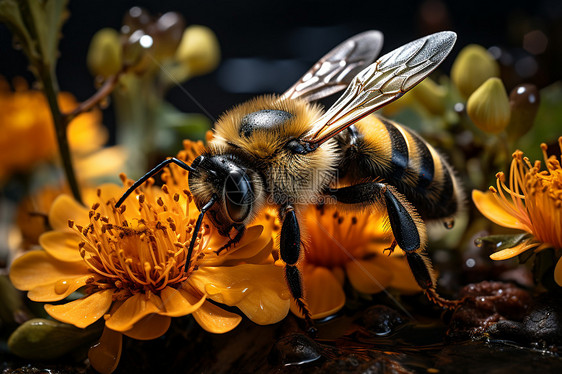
(285, 152)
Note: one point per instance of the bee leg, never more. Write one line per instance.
(391, 248)
(407, 227)
(425, 277)
(233, 241)
(290, 251)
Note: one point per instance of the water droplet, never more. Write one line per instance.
(61, 287)
(478, 242)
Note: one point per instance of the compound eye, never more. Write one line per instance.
(238, 195)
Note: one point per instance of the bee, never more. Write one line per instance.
(285, 152)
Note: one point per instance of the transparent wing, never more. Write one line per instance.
(336, 70)
(381, 83)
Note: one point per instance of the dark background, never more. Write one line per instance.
(267, 45)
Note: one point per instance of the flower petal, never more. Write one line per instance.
(45, 278)
(105, 355)
(489, 207)
(558, 272)
(65, 208)
(259, 291)
(62, 245)
(324, 293)
(368, 276)
(403, 280)
(253, 242)
(109, 191)
(216, 320)
(104, 162)
(133, 310)
(150, 327)
(504, 254)
(179, 302)
(82, 312)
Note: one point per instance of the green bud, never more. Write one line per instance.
(431, 96)
(43, 339)
(198, 50)
(488, 107)
(472, 67)
(524, 101)
(11, 304)
(105, 53)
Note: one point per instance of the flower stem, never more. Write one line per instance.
(51, 92)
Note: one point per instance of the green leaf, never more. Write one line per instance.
(11, 16)
(499, 242)
(37, 24)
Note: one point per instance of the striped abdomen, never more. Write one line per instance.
(376, 148)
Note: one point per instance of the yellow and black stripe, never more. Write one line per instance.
(379, 149)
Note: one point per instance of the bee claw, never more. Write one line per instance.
(390, 249)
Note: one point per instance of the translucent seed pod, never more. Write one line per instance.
(524, 101)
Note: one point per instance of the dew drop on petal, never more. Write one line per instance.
(61, 286)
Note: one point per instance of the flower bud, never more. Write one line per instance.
(198, 50)
(43, 339)
(105, 53)
(524, 101)
(431, 96)
(488, 107)
(472, 67)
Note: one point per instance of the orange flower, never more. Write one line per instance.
(532, 202)
(28, 134)
(351, 245)
(130, 262)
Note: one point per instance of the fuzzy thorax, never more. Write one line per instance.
(288, 177)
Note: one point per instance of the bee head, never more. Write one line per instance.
(236, 189)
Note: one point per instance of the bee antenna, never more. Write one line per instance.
(205, 208)
(152, 172)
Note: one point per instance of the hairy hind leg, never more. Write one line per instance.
(407, 227)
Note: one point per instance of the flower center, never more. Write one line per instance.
(535, 196)
(140, 250)
(336, 238)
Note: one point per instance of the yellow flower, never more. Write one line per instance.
(28, 135)
(353, 245)
(532, 202)
(130, 263)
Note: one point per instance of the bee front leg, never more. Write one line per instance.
(290, 252)
(233, 241)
